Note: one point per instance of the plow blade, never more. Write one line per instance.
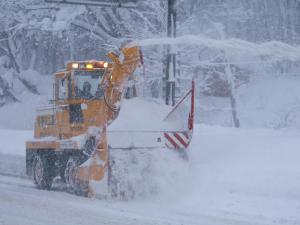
(131, 158)
(173, 131)
(91, 170)
(94, 168)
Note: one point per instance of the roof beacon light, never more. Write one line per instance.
(75, 66)
(89, 66)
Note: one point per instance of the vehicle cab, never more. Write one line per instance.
(78, 101)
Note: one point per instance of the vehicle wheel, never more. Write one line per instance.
(41, 171)
(76, 185)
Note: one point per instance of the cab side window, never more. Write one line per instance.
(69, 86)
(62, 88)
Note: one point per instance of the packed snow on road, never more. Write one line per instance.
(233, 176)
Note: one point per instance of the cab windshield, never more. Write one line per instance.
(88, 84)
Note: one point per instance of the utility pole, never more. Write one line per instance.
(170, 77)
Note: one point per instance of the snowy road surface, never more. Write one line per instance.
(238, 177)
(21, 203)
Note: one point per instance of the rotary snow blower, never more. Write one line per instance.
(71, 133)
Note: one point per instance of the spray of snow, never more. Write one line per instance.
(273, 48)
(141, 166)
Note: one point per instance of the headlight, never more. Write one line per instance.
(75, 65)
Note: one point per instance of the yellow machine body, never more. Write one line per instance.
(75, 120)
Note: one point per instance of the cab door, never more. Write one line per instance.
(62, 90)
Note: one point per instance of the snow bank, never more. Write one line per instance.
(13, 141)
(272, 103)
(21, 115)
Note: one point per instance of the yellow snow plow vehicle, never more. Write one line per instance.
(70, 135)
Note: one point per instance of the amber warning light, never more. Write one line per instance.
(90, 66)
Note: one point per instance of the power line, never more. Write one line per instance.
(111, 4)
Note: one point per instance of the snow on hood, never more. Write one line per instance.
(139, 124)
(140, 115)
